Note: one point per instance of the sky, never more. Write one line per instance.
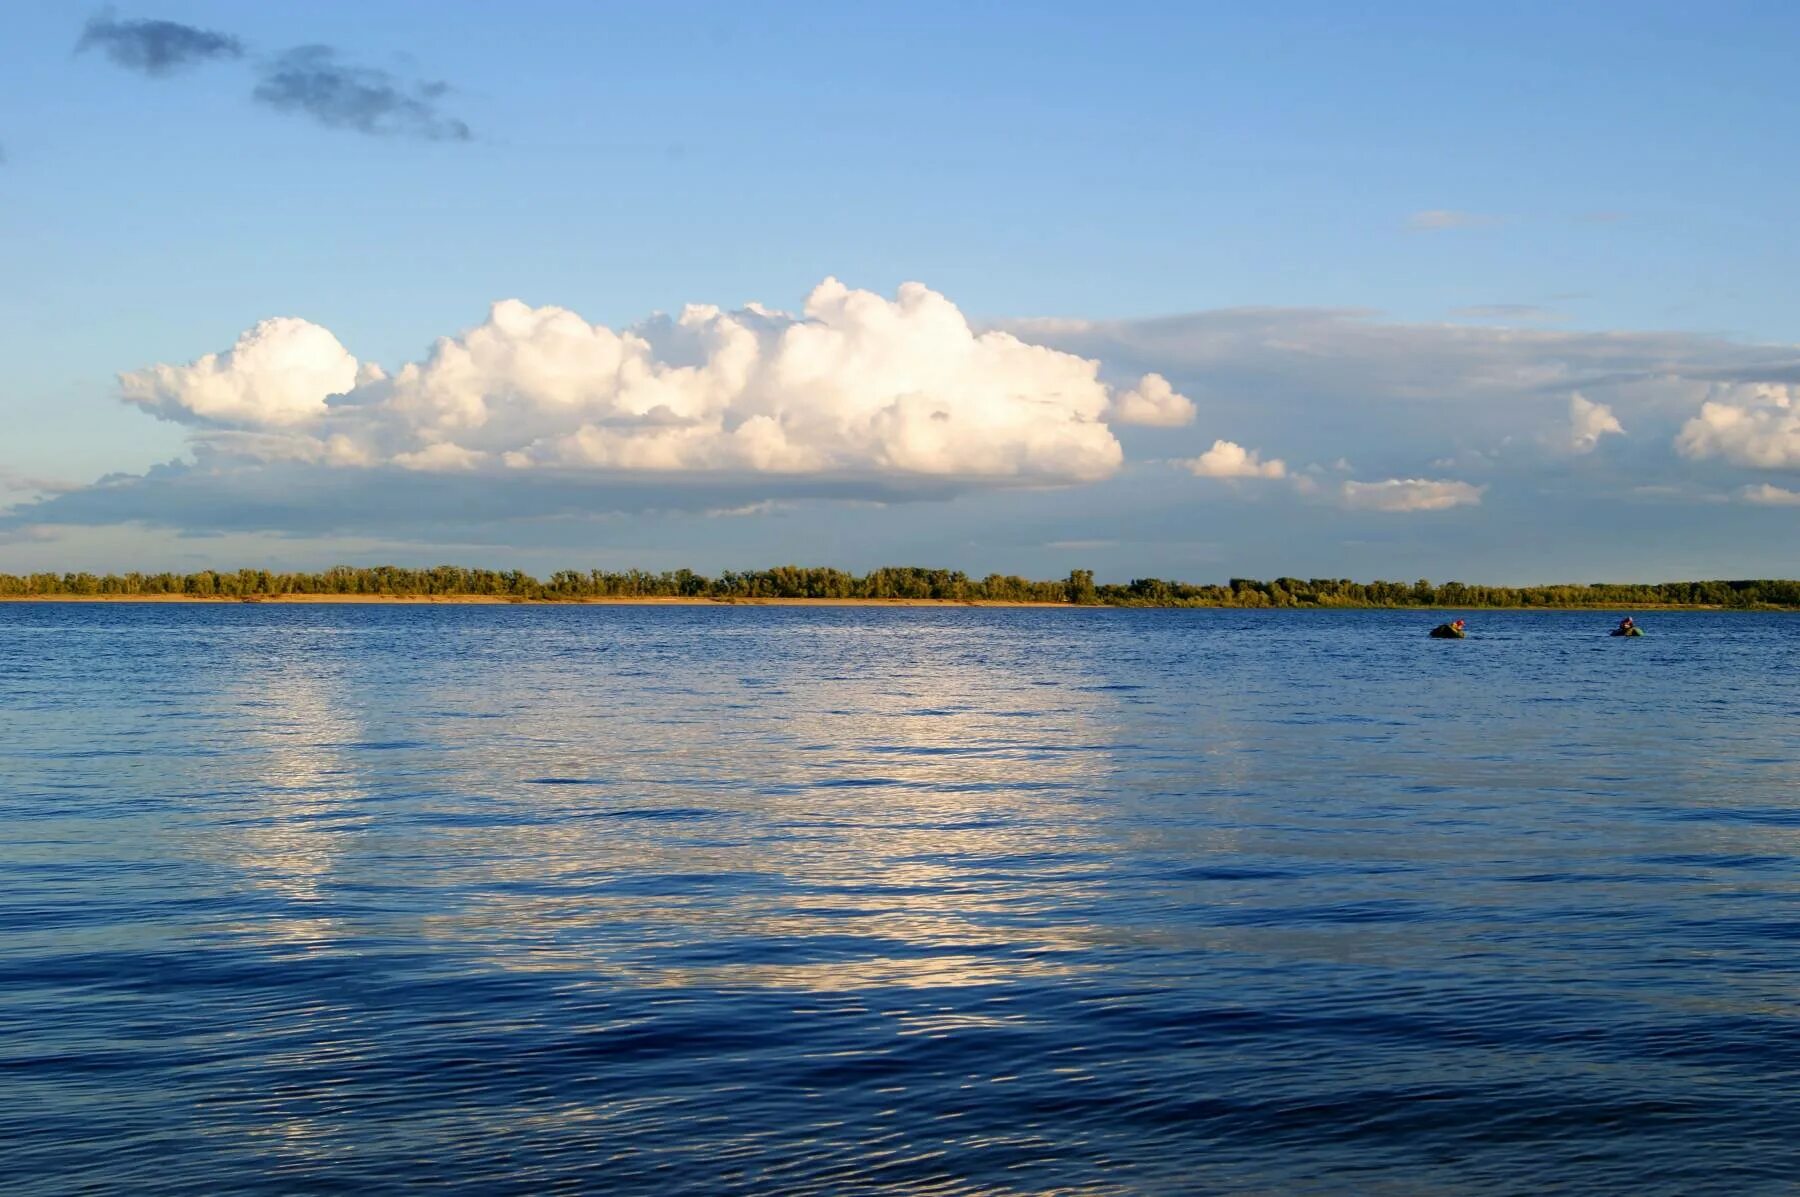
(1496, 294)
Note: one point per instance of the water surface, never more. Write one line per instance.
(725, 899)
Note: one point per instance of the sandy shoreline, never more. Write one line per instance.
(659, 601)
(489, 600)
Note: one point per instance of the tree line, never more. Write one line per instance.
(902, 582)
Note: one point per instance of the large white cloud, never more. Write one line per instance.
(1410, 494)
(278, 374)
(856, 385)
(1227, 459)
(1747, 424)
(1588, 422)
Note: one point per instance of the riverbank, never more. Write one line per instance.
(509, 600)
(888, 586)
(708, 601)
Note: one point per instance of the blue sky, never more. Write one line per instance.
(1451, 221)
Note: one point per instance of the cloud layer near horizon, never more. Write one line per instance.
(535, 419)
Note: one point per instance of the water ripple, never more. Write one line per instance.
(524, 900)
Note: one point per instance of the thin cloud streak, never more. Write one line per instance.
(1439, 220)
(1398, 495)
(1514, 313)
(218, 495)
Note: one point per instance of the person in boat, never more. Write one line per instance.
(1627, 628)
(1449, 631)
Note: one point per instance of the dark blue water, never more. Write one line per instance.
(611, 899)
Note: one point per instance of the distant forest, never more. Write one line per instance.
(796, 582)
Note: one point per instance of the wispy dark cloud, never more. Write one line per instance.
(310, 80)
(156, 48)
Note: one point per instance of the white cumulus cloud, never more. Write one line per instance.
(1153, 403)
(856, 385)
(278, 374)
(1410, 494)
(1747, 424)
(1588, 422)
(1766, 495)
(1226, 459)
